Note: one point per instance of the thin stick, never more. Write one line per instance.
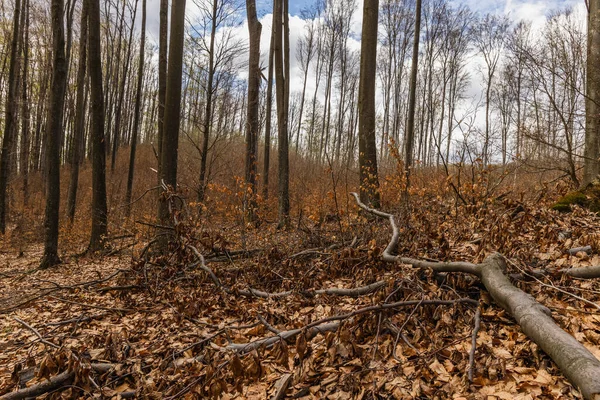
(477, 325)
(32, 329)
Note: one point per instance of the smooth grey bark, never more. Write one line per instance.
(367, 148)
(591, 165)
(170, 143)
(252, 124)
(410, 123)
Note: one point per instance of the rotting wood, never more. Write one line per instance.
(577, 363)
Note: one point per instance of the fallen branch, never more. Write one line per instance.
(577, 363)
(281, 386)
(35, 331)
(54, 383)
(477, 325)
(354, 292)
(332, 323)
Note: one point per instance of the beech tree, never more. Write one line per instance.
(367, 159)
(136, 114)
(78, 135)
(99, 206)
(281, 54)
(9, 118)
(170, 140)
(252, 126)
(591, 165)
(53, 136)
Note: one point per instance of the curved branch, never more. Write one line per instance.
(388, 255)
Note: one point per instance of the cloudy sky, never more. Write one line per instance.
(532, 10)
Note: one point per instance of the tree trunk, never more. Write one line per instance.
(208, 113)
(410, 123)
(136, 116)
(53, 136)
(9, 119)
(591, 166)
(252, 125)
(170, 138)
(162, 76)
(281, 55)
(99, 207)
(269, 100)
(80, 114)
(26, 113)
(367, 160)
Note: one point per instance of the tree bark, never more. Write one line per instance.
(99, 207)
(9, 117)
(591, 166)
(252, 124)
(412, 95)
(77, 145)
(281, 56)
(367, 148)
(53, 136)
(170, 142)
(162, 76)
(136, 116)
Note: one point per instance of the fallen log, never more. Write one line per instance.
(54, 383)
(577, 363)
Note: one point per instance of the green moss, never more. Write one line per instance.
(564, 203)
(561, 207)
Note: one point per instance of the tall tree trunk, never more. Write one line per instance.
(99, 207)
(26, 113)
(281, 55)
(162, 77)
(269, 100)
(80, 115)
(252, 125)
(172, 110)
(9, 118)
(412, 96)
(53, 136)
(136, 116)
(208, 114)
(123, 83)
(367, 160)
(591, 166)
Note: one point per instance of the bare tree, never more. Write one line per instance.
(53, 136)
(99, 207)
(591, 166)
(282, 70)
(77, 146)
(9, 119)
(172, 119)
(489, 37)
(367, 159)
(136, 115)
(252, 125)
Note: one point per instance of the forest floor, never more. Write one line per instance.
(164, 325)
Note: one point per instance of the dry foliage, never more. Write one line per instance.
(166, 328)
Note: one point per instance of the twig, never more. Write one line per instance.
(267, 325)
(476, 327)
(324, 323)
(32, 329)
